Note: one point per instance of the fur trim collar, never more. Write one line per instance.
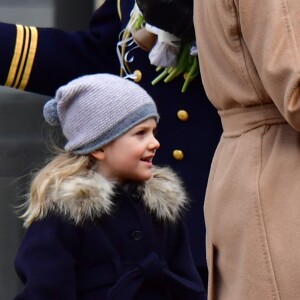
(88, 197)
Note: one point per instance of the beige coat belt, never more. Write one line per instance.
(236, 121)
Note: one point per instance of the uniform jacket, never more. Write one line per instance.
(97, 240)
(250, 64)
(42, 59)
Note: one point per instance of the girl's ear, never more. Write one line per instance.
(98, 154)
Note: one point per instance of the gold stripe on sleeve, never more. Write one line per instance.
(17, 55)
(23, 58)
(30, 58)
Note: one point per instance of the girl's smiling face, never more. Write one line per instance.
(130, 156)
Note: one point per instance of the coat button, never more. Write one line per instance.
(138, 75)
(178, 154)
(137, 235)
(182, 115)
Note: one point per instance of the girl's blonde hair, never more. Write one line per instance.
(60, 168)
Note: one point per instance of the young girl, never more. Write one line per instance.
(103, 222)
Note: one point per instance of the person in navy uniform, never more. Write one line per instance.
(42, 59)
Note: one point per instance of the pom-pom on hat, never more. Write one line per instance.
(94, 110)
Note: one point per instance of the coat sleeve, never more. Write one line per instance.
(271, 30)
(40, 59)
(46, 261)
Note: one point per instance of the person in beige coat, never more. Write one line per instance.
(249, 54)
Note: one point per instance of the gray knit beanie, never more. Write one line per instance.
(94, 110)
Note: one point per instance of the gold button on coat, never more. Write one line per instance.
(138, 75)
(183, 115)
(178, 154)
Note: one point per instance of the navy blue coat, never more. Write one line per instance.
(95, 240)
(57, 56)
